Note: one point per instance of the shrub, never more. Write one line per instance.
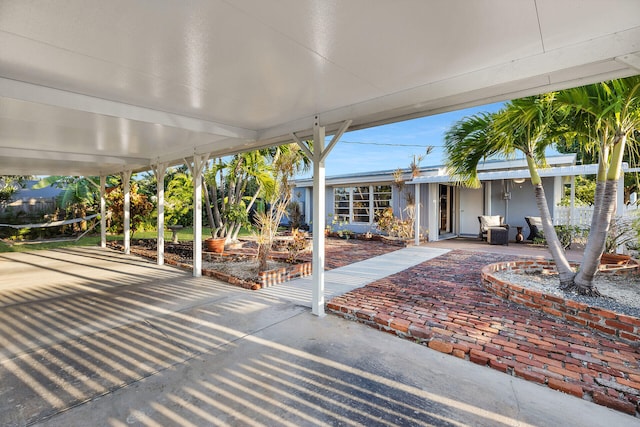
(393, 226)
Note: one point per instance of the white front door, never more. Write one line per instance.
(470, 208)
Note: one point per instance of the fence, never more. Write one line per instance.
(46, 205)
(581, 215)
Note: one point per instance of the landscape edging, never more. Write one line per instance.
(599, 319)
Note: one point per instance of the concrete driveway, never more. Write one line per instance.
(90, 336)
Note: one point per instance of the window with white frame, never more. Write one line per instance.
(360, 204)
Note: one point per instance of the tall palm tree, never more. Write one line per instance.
(11, 184)
(608, 114)
(228, 182)
(524, 125)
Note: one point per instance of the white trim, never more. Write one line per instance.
(518, 173)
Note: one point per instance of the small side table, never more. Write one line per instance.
(497, 236)
(174, 229)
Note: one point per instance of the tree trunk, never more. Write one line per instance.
(596, 242)
(217, 219)
(207, 200)
(606, 196)
(263, 252)
(565, 272)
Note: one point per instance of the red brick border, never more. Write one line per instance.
(267, 278)
(596, 318)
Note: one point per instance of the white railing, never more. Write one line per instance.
(578, 216)
(581, 215)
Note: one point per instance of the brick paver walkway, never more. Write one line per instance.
(341, 252)
(442, 303)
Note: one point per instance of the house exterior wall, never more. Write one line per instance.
(498, 197)
(304, 195)
(521, 201)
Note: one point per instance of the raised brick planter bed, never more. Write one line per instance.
(596, 318)
(265, 279)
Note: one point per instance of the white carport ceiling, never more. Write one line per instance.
(94, 87)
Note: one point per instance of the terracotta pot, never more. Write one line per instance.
(215, 244)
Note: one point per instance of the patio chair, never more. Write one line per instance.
(535, 227)
(488, 221)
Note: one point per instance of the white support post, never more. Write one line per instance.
(620, 207)
(307, 205)
(159, 171)
(103, 212)
(318, 155)
(126, 183)
(416, 225)
(487, 197)
(620, 196)
(572, 204)
(434, 210)
(317, 301)
(199, 161)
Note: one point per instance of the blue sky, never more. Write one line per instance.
(393, 146)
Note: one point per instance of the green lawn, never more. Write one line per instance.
(186, 234)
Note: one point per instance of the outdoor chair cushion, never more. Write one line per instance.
(487, 221)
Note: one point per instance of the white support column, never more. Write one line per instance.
(307, 205)
(318, 155)
(126, 189)
(487, 197)
(434, 211)
(159, 171)
(196, 168)
(572, 204)
(620, 206)
(417, 213)
(317, 300)
(620, 196)
(103, 212)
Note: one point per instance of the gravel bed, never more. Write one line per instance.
(620, 293)
(245, 270)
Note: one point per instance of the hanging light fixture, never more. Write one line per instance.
(518, 180)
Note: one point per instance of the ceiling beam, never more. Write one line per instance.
(74, 101)
(632, 60)
(71, 157)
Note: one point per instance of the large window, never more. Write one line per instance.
(360, 204)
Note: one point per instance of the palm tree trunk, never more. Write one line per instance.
(606, 196)
(597, 241)
(207, 200)
(565, 272)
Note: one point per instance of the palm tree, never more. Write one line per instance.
(228, 180)
(11, 184)
(287, 161)
(606, 115)
(526, 125)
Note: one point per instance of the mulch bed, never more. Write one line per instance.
(338, 252)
